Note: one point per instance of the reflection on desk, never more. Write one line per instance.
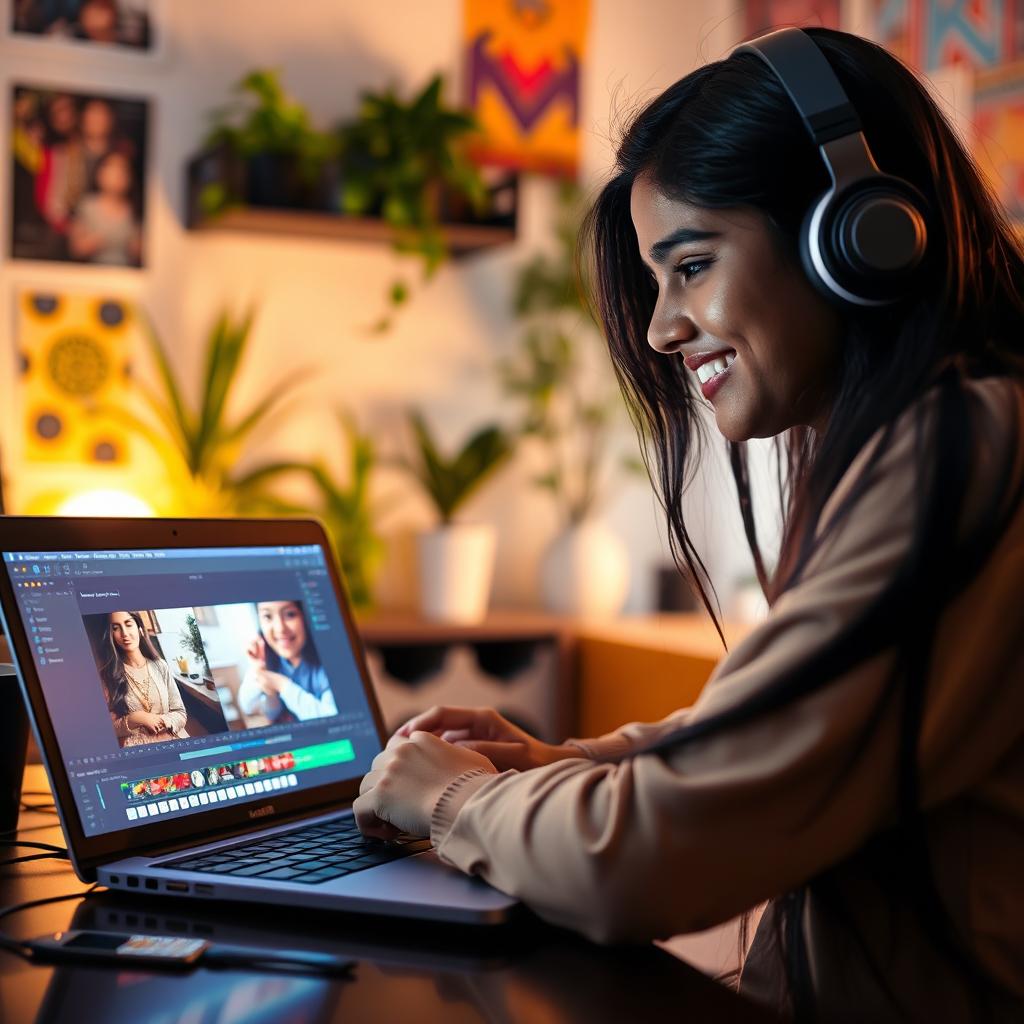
(425, 972)
(406, 970)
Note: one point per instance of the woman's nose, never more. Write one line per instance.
(669, 330)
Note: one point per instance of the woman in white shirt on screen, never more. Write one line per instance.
(285, 676)
(142, 696)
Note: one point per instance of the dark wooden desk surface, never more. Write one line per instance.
(423, 972)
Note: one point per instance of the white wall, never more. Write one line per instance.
(315, 298)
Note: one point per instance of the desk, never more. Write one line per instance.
(422, 972)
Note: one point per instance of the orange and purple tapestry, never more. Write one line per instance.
(523, 81)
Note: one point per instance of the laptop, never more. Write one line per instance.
(200, 696)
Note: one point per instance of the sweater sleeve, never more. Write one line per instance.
(627, 738)
(663, 843)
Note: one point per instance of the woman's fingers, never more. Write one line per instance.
(454, 735)
(365, 810)
(442, 717)
(257, 651)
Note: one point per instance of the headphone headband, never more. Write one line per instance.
(810, 81)
(863, 239)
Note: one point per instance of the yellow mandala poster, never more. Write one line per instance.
(75, 355)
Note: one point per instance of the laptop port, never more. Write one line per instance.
(202, 889)
(152, 883)
(176, 886)
(115, 879)
(132, 880)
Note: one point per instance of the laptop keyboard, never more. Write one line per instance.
(307, 855)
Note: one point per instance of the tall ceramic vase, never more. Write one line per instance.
(456, 565)
(585, 571)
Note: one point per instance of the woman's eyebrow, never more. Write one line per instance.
(660, 250)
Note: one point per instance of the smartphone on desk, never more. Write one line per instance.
(182, 952)
(154, 950)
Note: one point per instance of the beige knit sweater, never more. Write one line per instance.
(657, 845)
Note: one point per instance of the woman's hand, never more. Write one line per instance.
(270, 683)
(153, 724)
(402, 787)
(256, 652)
(482, 729)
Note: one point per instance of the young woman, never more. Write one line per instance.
(285, 675)
(143, 698)
(859, 760)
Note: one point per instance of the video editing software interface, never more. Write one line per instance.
(181, 679)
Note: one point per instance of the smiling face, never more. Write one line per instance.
(124, 631)
(283, 628)
(762, 344)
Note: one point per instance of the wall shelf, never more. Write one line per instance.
(462, 238)
(313, 213)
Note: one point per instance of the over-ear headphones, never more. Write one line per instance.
(863, 239)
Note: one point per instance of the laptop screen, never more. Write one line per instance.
(181, 679)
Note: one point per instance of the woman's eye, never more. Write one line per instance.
(692, 268)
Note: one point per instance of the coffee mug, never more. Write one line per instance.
(13, 744)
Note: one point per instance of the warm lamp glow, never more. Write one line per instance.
(104, 503)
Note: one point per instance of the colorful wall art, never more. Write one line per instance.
(931, 34)
(999, 127)
(523, 80)
(75, 354)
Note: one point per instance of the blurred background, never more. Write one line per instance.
(317, 258)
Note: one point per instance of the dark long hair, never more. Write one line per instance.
(727, 136)
(112, 664)
(308, 654)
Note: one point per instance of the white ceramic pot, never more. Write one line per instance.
(456, 565)
(585, 571)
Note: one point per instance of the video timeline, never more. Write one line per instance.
(215, 784)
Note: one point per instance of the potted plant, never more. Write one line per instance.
(569, 410)
(202, 446)
(456, 560)
(399, 159)
(282, 159)
(192, 641)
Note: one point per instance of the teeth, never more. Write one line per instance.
(714, 367)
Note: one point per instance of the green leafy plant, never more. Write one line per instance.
(449, 482)
(201, 446)
(398, 157)
(264, 121)
(192, 641)
(571, 416)
(348, 513)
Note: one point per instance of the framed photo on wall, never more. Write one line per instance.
(101, 28)
(78, 165)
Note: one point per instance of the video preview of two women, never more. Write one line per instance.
(176, 673)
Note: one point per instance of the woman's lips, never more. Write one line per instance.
(712, 370)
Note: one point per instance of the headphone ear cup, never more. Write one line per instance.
(808, 230)
(863, 245)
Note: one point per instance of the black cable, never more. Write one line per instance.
(33, 856)
(29, 844)
(19, 948)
